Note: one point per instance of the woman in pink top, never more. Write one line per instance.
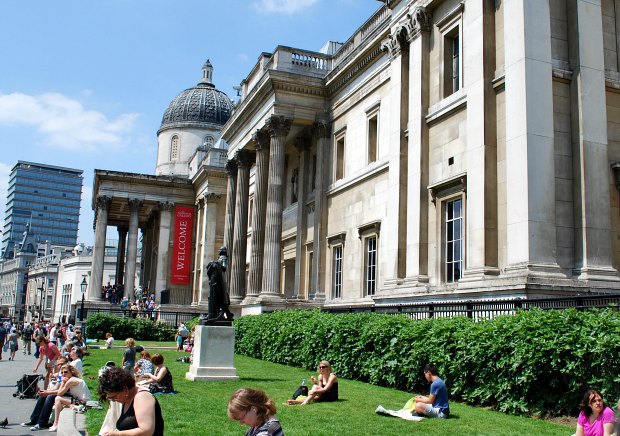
(49, 350)
(595, 418)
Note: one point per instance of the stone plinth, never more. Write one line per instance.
(213, 354)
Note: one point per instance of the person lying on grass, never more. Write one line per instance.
(325, 388)
(436, 404)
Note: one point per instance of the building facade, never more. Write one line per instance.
(448, 150)
(47, 199)
(177, 213)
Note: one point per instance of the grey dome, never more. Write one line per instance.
(200, 104)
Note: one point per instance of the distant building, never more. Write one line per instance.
(46, 198)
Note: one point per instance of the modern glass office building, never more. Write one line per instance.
(46, 198)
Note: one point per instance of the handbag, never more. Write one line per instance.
(5, 348)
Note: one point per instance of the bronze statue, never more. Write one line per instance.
(218, 294)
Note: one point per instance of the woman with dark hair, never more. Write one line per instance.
(595, 419)
(140, 410)
(324, 389)
(254, 408)
(49, 351)
(161, 381)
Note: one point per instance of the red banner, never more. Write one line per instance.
(182, 249)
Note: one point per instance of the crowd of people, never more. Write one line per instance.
(129, 387)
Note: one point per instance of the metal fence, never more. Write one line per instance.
(169, 317)
(483, 309)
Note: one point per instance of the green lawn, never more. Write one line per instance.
(200, 408)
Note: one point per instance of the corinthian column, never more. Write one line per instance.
(231, 195)
(258, 215)
(303, 147)
(278, 128)
(322, 133)
(132, 246)
(163, 247)
(240, 236)
(96, 274)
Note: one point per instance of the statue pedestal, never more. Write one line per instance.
(213, 354)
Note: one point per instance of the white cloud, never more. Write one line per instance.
(283, 6)
(65, 123)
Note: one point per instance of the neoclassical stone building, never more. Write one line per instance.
(447, 150)
(178, 212)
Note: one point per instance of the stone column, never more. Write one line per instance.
(396, 225)
(261, 140)
(120, 254)
(200, 223)
(102, 206)
(481, 253)
(148, 246)
(530, 166)
(231, 198)
(132, 246)
(417, 174)
(209, 248)
(278, 127)
(593, 248)
(163, 248)
(244, 160)
(303, 147)
(322, 132)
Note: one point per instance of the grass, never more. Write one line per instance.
(200, 408)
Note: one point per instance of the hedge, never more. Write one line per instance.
(138, 328)
(534, 362)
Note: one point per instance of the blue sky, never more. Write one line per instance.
(84, 84)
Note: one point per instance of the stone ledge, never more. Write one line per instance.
(71, 423)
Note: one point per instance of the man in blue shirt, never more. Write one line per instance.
(436, 404)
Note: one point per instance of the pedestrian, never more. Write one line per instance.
(27, 338)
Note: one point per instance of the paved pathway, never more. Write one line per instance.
(16, 410)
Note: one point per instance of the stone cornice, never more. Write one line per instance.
(349, 74)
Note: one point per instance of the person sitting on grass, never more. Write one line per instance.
(109, 340)
(144, 365)
(161, 381)
(436, 404)
(595, 419)
(325, 389)
(74, 386)
(140, 411)
(254, 408)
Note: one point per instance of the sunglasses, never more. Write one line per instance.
(322, 367)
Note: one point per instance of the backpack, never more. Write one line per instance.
(27, 333)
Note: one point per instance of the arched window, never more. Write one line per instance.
(208, 141)
(174, 148)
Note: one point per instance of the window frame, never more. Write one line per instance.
(339, 154)
(175, 148)
(372, 146)
(366, 233)
(336, 242)
(451, 28)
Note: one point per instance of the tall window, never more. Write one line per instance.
(452, 61)
(373, 133)
(371, 265)
(454, 240)
(337, 272)
(340, 158)
(174, 148)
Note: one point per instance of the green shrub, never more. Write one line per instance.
(533, 362)
(138, 328)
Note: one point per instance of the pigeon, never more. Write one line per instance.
(4, 423)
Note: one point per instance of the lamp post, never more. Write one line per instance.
(83, 287)
(41, 287)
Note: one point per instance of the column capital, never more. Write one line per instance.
(278, 125)
(244, 158)
(103, 202)
(261, 140)
(321, 129)
(200, 201)
(165, 205)
(211, 197)
(231, 168)
(418, 21)
(134, 204)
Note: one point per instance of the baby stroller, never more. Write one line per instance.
(27, 386)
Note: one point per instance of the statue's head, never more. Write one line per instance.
(223, 251)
